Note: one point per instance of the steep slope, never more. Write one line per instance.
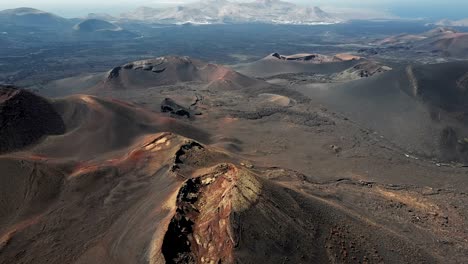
(170, 199)
(422, 108)
(450, 44)
(25, 119)
(124, 184)
(97, 126)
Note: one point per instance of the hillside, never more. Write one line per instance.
(30, 17)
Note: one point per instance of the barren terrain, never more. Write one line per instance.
(348, 143)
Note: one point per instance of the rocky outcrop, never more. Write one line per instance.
(169, 105)
(312, 58)
(203, 229)
(363, 69)
(462, 83)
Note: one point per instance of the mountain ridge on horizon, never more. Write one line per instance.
(222, 11)
(226, 12)
(207, 12)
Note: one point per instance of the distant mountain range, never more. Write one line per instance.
(24, 20)
(30, 17)
(203, 12)
(21, 22)
(223, 11)
(453, 23)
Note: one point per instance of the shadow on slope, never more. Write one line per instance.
(421, 108)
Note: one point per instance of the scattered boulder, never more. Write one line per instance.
(248, 165)
(169, 105)
(462, 83)
(454, 147)
(335, 148)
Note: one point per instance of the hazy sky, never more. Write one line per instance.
(435, 9)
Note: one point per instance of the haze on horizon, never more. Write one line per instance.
(430, 9)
